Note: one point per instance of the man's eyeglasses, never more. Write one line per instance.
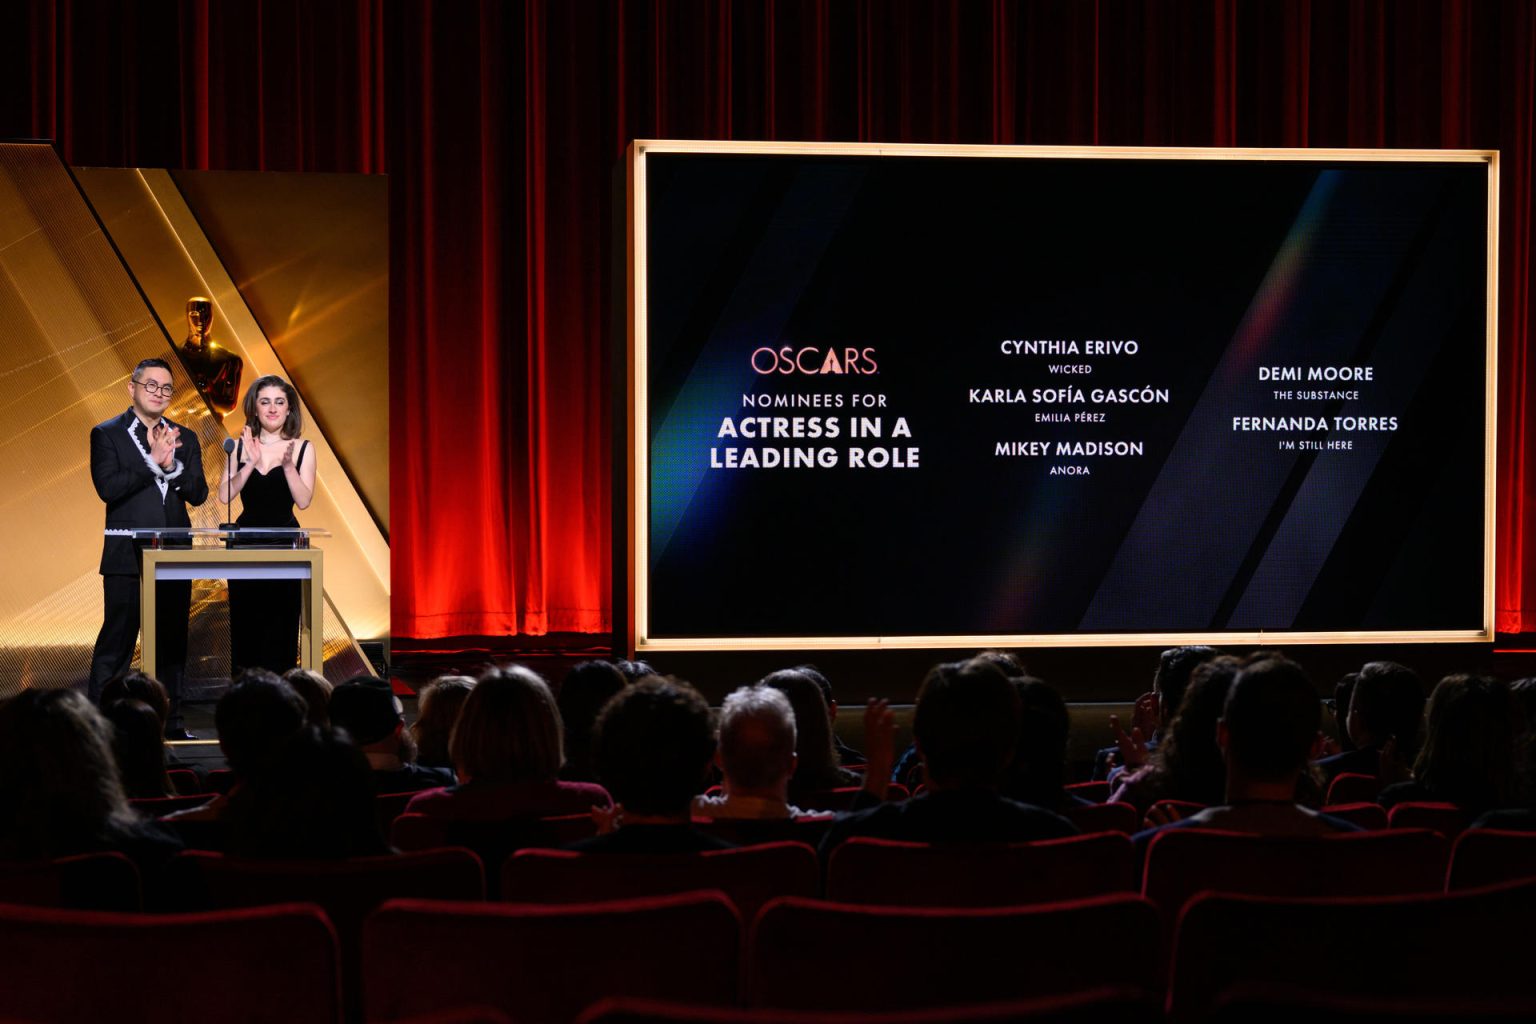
(157, 389)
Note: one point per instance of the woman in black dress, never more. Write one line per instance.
(274, 471)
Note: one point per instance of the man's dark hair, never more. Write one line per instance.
(365, 708)
(816, 676)
(966, 724)
(1172, 676)
(1006, 662)
(1272, 716)
(583, 692)
(652, 746)
(257, 714)
(1389, 700)
(136, 685)
(150, 364)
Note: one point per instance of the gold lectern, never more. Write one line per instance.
(298, 562)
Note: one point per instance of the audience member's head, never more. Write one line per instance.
(60, 792)
(633, 670)
(1171, 679)
(136, 686)
(1189, 762)
(583, 692)
(966, 725)
(1387, 703)
(138, 745)
(653, 745)
(1468, 752)
(316, 691)
(757, 741)
(367, 710)
(437, 711)
(819, 766)
(824, 685)
(1269, 728)
(312, 799)
(508, 730)
(254, 717)
(1037, 773)
(1006, 662)
(1343, 693)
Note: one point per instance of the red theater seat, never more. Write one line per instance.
(1370, 816)
(91, 881)
(1406, 948)
(814, 955)
(79, 967)
(185, 781)
(1267, 1004)
(548, 963)
(749, 876)
(1101, 1006)
(1122, 818)
(1486, 856)
(1353, 788)
(753, 831)
(1447, 819)
(1183, 862)
(882, 871)
(1097, 791)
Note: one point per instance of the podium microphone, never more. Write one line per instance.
(229, 476)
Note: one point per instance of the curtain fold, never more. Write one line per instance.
(501, 126)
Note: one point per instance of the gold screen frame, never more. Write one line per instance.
(635, 597)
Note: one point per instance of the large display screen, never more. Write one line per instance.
(888, 396)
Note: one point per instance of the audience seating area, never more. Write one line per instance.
(1021, 932)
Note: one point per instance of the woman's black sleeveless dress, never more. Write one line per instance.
(264, 614)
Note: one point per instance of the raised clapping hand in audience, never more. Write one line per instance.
(1132, 752)
(879, 746)
(607, 819)
(1163, 814)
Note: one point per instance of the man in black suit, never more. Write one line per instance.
(148, 470)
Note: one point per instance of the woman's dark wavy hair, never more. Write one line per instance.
(60, 791)
(819, 767)
(1188, 762)
(1468, 756)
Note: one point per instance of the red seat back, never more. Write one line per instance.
(1183, 862)
(1122, 818)
(547, 963)
(753, 831)
(750, 876)
(882, 871)
(1370, 816)
(1353, 788)
(184, 781)
(90, 881)
(347, 890)
(1097, 791)
(1447, 819)
(814, 955)
(1404, 947)
(1101, 1006)
(1486, 856)
(272, 963)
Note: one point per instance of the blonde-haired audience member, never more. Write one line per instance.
(506, 750)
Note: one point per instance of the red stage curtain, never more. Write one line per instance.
(501, 125)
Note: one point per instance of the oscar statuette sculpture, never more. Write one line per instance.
(213, 368)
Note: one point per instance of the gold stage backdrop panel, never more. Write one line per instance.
(72, 326)
(309, 253)
(172, 258)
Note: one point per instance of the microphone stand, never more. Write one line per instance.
(229, 488)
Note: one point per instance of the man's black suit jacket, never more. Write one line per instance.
(124, 479)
